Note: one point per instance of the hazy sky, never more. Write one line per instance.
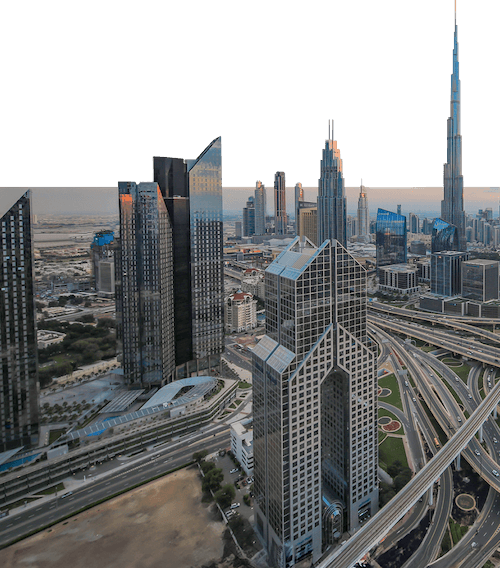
(103, 199)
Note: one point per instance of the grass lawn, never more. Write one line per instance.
(462, 371)
(384, 412)
(54, 434)
(455, 395)
(390, 382)
(443, 438)
(428, 348)
(381, 436)
(457, 531)
(450, 361)
(244, 385)
(390, 450)
(51, 490)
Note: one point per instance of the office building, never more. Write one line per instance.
(280, 216)
(363, 226)
(446, 272)
(413, 223)
(444, 236)
(332, 218)
(103, 264)
(192, 191)
(452, 206)
(299, 197)
(238, 229)
(308, 220)
(399, 279)
(390, 238)
(315, 409)
(144, 295)
(18, 334)
(249, 218)
(398, 209)
(480, 280)
(260, 204)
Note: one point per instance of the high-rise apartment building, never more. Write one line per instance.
(18, 345)
(315, 412)
(452, 206)
(413, 223)
(145, 299)
(363, 228)
(192, 191)
(331, 195)
(260, 204)
(391, 238)
(280, 216)
(308, 220)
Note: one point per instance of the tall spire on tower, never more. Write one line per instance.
(452, 206)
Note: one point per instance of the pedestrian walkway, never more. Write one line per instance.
(242, 373)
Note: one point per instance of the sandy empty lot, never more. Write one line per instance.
(161, 524)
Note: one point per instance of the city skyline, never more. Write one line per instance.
(419, 200)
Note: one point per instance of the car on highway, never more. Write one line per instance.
(495, 440)
(235, 470)
(234, 506)
(469, 395)
(66, 494)
(494, 472)
(477, 452)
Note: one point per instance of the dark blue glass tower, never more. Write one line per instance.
(444, 236)
(391, 238)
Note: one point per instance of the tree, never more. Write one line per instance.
(198, 456)
(212, 480)
(207, 466)
(225, 495)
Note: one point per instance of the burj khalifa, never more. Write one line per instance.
(452, 206)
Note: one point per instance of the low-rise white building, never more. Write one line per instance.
(46, 338)
(242, 446)
(241, 312)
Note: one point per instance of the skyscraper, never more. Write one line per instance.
(299, 197)
(280, 216)
(102, 259)
(363, 216)
(413, 223)
(331, 195)
(315, 415)
(444, 236)
(144, 287)
(249, 218)
(452, 206)
(391, 238)
(446, 272)
(260, 208)
(192, 190)
(18, 343)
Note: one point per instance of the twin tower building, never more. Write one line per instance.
(314, 373)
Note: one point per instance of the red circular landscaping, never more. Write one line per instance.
(393, 426)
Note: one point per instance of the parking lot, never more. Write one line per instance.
(227, 465)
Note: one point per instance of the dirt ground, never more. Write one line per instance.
(162, 524)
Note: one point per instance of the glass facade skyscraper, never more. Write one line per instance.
(444, 236)
(18, 342)
(391, 238)
(299, 197)
(480, 280)
(280, 216)
(332, 217)
(144, 298)
(192, 190)
(446, 272)
(452, 206)
(315, 413)
(249, 218)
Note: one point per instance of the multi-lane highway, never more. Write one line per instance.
(377, 527)
(118, 476)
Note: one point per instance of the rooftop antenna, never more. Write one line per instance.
(455, 12)
(332, 128)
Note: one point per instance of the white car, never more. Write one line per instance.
(494, 472)
(234, 506)
(477, 452)
(235, 470)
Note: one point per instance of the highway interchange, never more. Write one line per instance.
(429, 378)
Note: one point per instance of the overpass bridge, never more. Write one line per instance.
(423, 334)
(442, 319)
(380, 524)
